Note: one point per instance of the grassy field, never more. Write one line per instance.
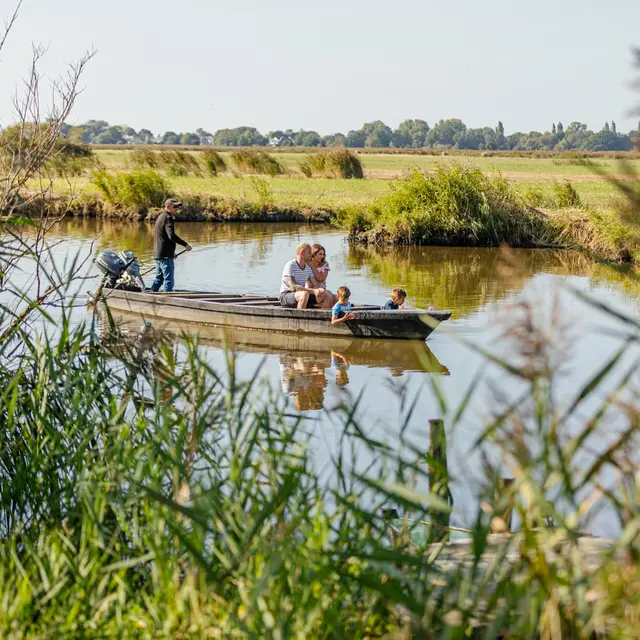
(380, 169)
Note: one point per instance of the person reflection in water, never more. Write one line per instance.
(305, 380)
(341, 365)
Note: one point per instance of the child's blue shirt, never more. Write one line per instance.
(339, 308)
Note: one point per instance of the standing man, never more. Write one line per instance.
(164, 245)
(293, 288)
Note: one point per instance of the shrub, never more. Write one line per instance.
(179, 163)
(335, 163)
(214, 163)
(257, 161)
(454, 205)
(139, 189)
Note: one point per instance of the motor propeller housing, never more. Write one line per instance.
(120, 270)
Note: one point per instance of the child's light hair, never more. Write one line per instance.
(398, 293)
(343, 293)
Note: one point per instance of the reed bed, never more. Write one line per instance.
(173, 499)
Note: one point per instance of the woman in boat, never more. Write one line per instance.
(320, 268)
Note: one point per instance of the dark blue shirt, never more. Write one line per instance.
(389, 304)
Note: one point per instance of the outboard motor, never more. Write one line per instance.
(121, 271)
(133, 269)
(112, 265)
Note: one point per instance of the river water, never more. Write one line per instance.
(479, 286)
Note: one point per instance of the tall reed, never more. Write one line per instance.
(256, 161)
(138, 189)
(180, 163)
(213, 162)
(333, 163)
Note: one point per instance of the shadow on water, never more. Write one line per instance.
(307, 363)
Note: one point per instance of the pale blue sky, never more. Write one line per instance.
(332, 65)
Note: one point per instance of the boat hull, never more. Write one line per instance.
(188, 307)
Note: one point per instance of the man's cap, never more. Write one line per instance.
(173, 202)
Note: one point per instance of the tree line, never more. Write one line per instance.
(414, 134)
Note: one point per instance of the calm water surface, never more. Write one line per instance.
(475, 284)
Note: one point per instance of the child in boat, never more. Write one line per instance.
(341, 311)
(398, 296)
(320, 268)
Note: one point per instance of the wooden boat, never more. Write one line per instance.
(265, 313)
(397, 356)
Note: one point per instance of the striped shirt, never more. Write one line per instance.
(300, 275)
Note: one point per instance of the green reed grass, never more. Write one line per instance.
(144, 159)
(213, 162)
(256, 161)
(134, 190)
(332, 163)
(180, 163)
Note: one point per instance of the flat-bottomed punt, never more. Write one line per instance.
(265, 313)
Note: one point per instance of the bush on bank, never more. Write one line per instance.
(457, 205)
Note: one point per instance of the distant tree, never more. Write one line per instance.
(606, 141)
(355, 138)
(170, 137)
(500, 129)
(410, 133)
(205, 137)
(307, 139)
(92, 128)
(239, 137)
(189, 138)
(613, 127)
(145, 136)
(560, 128)
(377, 134)
(606, 127)
(471, 139)
(110, 135)
(445, 131)
(553, 128)
(334, 140)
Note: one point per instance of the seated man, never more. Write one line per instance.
(293, 289)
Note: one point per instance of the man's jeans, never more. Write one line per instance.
(164, 273)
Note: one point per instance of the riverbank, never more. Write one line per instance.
(451, 205)
(196, 209)
(458, 205)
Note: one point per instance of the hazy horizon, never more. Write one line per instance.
(332, 66)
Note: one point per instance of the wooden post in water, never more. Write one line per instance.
(439, 475)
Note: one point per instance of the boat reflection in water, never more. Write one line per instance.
(306, 373)
(307, 362)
